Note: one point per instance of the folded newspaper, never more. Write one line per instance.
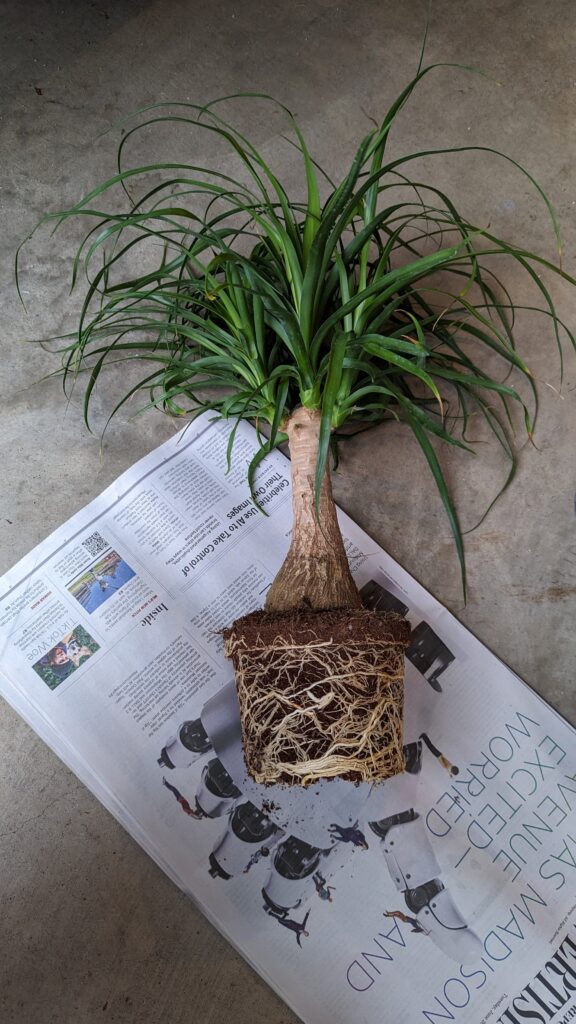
(445, 894)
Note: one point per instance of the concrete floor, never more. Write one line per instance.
(90, 930)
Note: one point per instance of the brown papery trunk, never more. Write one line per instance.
(315, 574)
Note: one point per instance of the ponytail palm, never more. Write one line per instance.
(353, 304)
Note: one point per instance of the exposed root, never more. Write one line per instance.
(320, 696)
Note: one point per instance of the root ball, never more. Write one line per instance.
(321, 694)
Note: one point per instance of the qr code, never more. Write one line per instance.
(95, 543)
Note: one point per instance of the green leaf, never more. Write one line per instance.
(329, 399)
(432, 460)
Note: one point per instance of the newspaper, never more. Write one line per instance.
(445, 894)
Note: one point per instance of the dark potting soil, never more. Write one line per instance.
(356, 625)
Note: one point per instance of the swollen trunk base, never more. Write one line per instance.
(321, 694)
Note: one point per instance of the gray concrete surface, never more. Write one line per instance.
(90, 930)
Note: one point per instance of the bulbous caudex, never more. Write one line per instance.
(320, 679)
(315, 574)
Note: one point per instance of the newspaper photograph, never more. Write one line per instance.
(447, 893)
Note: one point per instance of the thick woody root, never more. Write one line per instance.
(321, 694)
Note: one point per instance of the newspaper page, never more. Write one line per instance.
(445, 894)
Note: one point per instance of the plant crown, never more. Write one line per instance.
(374, 301)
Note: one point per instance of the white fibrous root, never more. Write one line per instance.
(320, 708)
